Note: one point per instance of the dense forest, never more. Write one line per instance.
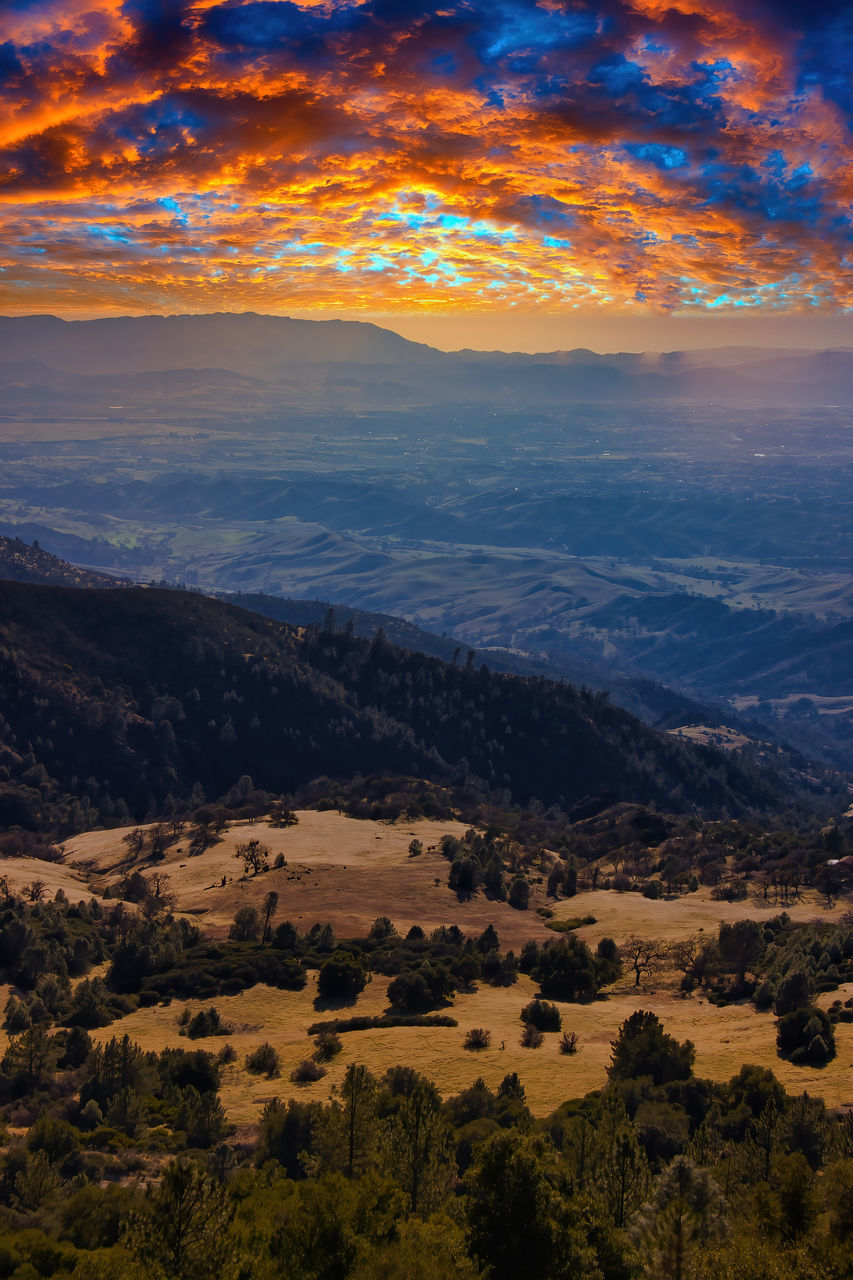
(119, 705)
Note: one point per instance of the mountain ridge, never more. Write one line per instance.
(341, 361)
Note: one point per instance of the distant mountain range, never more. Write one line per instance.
(275, 359)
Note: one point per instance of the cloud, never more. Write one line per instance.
(397, 154)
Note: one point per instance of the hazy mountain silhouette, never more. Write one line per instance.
(352, 362)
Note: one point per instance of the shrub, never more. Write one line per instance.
(531, 1037)
(308, 1072)
(264, 1061)
(227, 1054)
(542, 1014)
(806, 1037)
(567, 970)
(206, 1022)
(280, 861)
(341, 977)
(653, 889)
(418, 989)
(643, 1048)
(326, 1045)
(478, 1038)
(519, 894)
(569, 1042)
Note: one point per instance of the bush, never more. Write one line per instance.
(569, 1042)
(206, 1022)
(364, 1022)
(341, 977)
(542, 1014)
(567, 970)
(264, 1061)
(519, 894)
(478, 1038)
(531, 1037)
(806, 1037)
(653, 889)
(420, 988)
(308, 1072)
(326, 1045)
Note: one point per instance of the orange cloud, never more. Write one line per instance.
(382, 155)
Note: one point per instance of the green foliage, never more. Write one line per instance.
(642, 1048)
(264, 1061)
(424, 987)
(567, 970)
(806, 1037)
(341, 977)
(542, 1015)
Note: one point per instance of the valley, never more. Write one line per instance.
(694, 540)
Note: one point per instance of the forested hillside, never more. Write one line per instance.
(129, 703)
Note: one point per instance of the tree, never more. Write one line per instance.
(617, 1165)
(740, 945)
(135, 841)
(358, 1092)
(246, 926)
(188, 1225)
(270, 904)
(643, 955)
(795, 991)
(567, 970)
(341, 977)
(519, 893)
(517, 1222)
(687, 1211)
(418, 1145)
(643, 1048)
(254, 856)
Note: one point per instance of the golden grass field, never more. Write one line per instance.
(344, 870)
(725, 1039)
(349, 872)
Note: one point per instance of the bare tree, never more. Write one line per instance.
(685, 955)
(255, 856)
(643, 955)
(36, 890)
(135, 841)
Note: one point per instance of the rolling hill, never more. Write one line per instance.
(118, 704)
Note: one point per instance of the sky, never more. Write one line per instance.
(518, 173)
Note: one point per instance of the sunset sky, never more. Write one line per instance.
(467, 172)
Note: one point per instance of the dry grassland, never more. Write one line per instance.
(349, 872)
(725, 1038)
(344, 870)
(55, 876)
(620, 914)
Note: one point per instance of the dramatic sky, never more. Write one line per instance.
(466, 159)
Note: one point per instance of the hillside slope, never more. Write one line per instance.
(115, 704)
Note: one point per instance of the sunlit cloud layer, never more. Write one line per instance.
(391, 155)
